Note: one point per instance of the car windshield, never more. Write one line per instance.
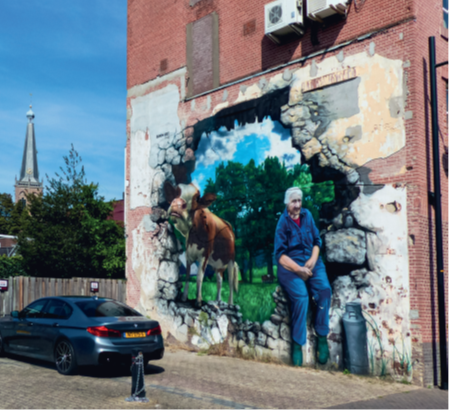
(101, 308)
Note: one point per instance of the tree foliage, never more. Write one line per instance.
(67, 233)
(11, 215)
(12, 266)
(251, 198)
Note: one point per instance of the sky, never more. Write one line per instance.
(71, 56)
(256, 141)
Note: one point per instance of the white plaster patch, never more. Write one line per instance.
(387, 299)
(154, 123)
(145, 265)
(381, 81)
(141, 173)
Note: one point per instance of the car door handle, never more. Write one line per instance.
(55, 324)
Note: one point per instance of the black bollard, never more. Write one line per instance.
(137, 377)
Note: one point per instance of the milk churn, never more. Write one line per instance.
(355, 347)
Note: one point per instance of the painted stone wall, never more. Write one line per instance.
(331, 118)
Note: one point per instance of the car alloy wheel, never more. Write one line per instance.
(65, 359)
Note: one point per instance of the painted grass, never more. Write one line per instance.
(255, 300)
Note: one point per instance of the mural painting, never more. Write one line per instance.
(219, 199)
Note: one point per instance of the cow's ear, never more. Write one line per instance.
(206, 200)
(171, 192)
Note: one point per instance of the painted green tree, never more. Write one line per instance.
(314, 194)
(251, 198)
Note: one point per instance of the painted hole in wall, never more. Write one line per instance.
(236, 164)
(248, 169)
(239, 171)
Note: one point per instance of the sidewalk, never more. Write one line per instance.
(186, 380)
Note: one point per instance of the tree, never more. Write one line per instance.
(314, 194)
(266, 202)
(11, 266)
(66, 231)
(251, 198)
(11, 215)
(230, 188)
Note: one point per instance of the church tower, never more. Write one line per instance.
(29, 173)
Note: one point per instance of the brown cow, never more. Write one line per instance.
(209, 239)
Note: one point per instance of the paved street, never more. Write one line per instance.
(186, 380)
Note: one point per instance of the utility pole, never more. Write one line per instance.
(438, 220)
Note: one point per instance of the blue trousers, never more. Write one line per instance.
(298, 291)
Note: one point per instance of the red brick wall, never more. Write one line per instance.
(422, 255)
(7, 242)
(157, 31)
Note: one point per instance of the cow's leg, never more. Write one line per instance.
(186, 285)
(231, 281)
(199, 281)
(219, 274)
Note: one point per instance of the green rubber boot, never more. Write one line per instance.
(297, 354)
(322, 350)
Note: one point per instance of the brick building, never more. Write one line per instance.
(7, 244)
(353, 94)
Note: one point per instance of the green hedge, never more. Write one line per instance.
(12, 266)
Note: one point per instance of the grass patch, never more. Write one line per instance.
(255, 300)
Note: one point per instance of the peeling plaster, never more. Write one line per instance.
(144, 89)
(375, 129)
(340, 56)
(383, 134)
(313, 69)
(154, 124)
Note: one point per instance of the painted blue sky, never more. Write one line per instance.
(250, 141)
(71, 55)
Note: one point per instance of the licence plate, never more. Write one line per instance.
(135, 334)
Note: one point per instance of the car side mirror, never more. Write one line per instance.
(15, 313)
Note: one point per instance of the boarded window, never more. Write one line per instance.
(203, 54)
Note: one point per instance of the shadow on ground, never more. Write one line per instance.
(106, 372)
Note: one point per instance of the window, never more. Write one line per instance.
(57, 309)
(109, 308)
(203, 54)
(34, 310)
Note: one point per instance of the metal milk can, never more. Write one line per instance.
(355, 346)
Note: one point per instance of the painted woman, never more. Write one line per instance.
(302, 273)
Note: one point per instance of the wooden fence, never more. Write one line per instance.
(23, 290)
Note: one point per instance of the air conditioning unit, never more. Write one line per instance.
(283, 17)
(319, 9)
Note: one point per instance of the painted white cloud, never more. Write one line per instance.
(221, 145)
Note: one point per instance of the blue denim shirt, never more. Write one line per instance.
(294, 241)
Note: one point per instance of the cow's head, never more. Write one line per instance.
(184, 201)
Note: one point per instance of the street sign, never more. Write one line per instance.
(94, 286)
(3, 285)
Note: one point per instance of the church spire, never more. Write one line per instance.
(29, 172)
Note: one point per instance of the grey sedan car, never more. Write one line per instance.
(74, 331)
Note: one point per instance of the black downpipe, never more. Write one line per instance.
(438, 219)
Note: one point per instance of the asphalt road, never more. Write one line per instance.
(186, 380)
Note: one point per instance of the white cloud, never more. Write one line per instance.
(283, 150)
(221, 145)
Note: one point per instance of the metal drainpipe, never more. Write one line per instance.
(438, 219)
